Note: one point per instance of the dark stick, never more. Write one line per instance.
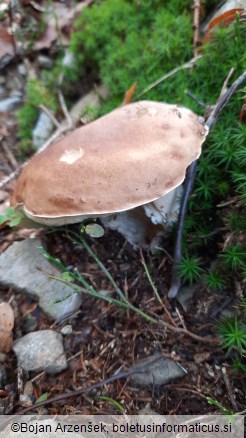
(188, 184)
(120, 375)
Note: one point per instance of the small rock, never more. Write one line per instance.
(68, 59)
(41, 351)
(67, 330)
(10, 104)
(22, 69)
(27, 397)
(24, 268)
(45, 62)
(185, 294)
(154, 371)
(42, 131)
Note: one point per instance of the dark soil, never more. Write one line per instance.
(106, 339)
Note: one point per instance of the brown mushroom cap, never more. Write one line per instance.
(131, 156)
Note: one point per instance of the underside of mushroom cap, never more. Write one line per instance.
(131, 156)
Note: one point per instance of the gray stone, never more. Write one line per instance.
(157, 371)
(42, 130)
(67, 330)
(185, 294)
(41, 351)
(24, 268)
(10, 104)
(45, 62)
(22, 69)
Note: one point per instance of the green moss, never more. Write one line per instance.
(128, 41)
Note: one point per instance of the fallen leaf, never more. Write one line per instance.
(7, 49)
(59, 20)
(6, 327)
(201, 357)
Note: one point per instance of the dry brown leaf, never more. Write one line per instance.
(202, 357)
(59, 20)
(7, 49)
(6, 327)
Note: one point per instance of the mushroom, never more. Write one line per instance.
(137, 155)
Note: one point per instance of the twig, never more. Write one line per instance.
(156, 293)
(120, 375)
(196, 26)
(224, 99)
(225, 84)
(63, 103)
(9, 154)
(188, 184)
(229, 389)
(231, 201)
(188, 64)
(50, 115)
(189, 181)
(214, 341)
(180, 318)
(193, 97)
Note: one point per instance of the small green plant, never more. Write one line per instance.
(222, 408)
(215, 281)
(93, 230)
(234, 257)
(12, 216)
(232, 333)
(113, 402)
(190, 269)
(237, 365)
(236, 220)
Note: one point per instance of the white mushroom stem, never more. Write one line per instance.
(165, 210)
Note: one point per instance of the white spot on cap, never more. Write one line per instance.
(71, 156)
(152, 111)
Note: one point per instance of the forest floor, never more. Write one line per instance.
(107, 340)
